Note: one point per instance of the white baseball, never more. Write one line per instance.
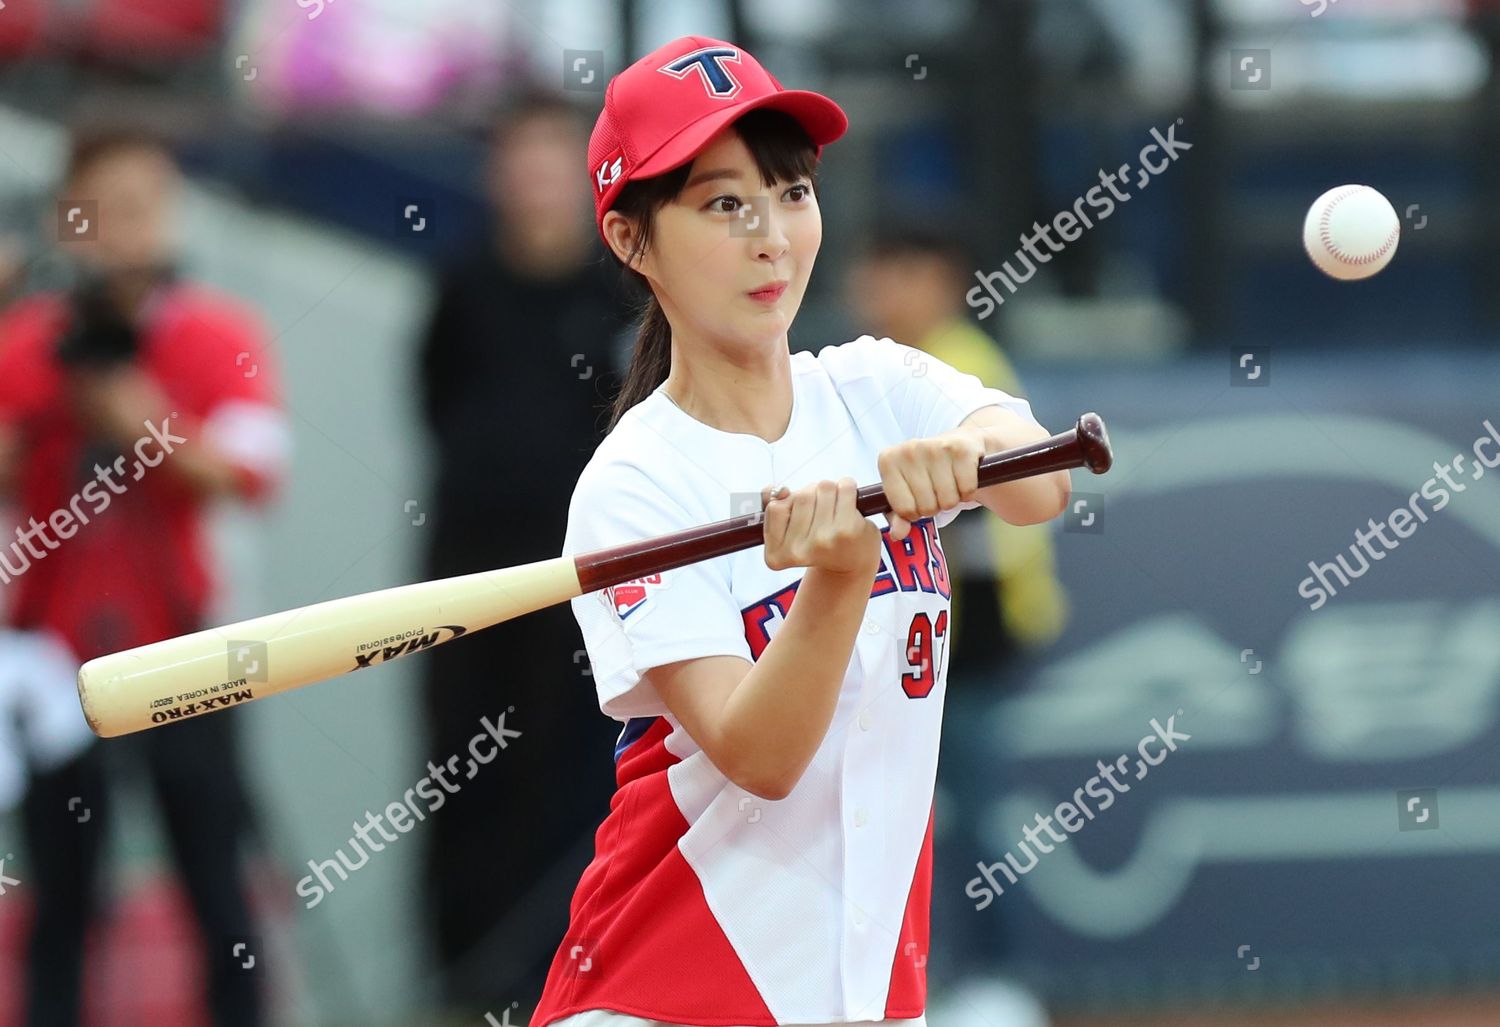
(1351, 232)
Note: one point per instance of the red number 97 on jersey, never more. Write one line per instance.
(919, 645)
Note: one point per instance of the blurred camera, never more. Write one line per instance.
(100, 334)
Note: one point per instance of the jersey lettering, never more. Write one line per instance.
(916, 563)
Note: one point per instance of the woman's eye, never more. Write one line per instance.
(728, 204)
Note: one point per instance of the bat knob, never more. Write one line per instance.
(1093, 440)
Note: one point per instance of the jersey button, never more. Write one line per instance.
(860, 817)
(864, 721)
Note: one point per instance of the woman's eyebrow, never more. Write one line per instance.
(709, 176)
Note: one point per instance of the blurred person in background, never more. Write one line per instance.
(12, 268)
(908, 283)
(125, 412)
(514, 367)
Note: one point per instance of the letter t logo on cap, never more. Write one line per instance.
(709, 63)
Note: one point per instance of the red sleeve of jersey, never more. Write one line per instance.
(28, 378)
(228, 370)
(232, 354)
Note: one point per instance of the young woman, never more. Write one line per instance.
(767, 856)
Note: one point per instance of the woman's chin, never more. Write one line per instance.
(770, 332)
(758, 330)
(774, 319)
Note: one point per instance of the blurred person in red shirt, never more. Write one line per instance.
(127, 406)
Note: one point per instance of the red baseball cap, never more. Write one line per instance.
(659, 112)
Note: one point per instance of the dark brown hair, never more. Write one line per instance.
(782, 152)
(93, 143)
(935, 235)
(529, 103)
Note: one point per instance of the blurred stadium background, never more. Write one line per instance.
(1265, 873)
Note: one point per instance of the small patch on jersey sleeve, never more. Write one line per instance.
(632, 600)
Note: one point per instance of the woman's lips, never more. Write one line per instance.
(770, 294)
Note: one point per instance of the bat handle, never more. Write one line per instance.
(1084, 445)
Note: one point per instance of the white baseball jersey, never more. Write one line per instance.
(705, 904)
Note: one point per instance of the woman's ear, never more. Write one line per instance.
(620, 232)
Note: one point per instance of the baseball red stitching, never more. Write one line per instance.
(1325, 235)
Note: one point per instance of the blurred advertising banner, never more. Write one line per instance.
(384, 58)
(1264, 760)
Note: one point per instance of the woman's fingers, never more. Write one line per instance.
(925, 476)
(778, 518)
(898, 493)
(804, 504)
(965, 453)
(966, 470)
(907, 482)
(846, 502)
(923, 490)
(893, 480)
(939, 489)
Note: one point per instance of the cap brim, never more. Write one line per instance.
(821, 118)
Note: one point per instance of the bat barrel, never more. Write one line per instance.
(207, 671)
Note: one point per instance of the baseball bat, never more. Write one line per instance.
(179, 678)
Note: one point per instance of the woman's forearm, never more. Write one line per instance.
(777, 717)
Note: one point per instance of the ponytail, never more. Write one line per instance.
(650, 362)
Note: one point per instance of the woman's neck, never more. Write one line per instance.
(751, 396)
